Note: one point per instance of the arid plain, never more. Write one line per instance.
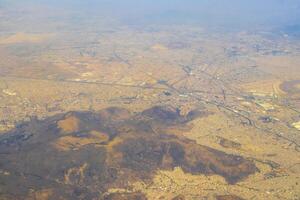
(101, 110)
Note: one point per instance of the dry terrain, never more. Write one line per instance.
(91, 111)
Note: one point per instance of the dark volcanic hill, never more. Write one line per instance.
(80, 155)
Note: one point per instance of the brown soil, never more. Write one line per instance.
(80, 155)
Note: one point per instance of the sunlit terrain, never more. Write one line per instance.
(136, 100)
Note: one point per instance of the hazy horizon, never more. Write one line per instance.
(234, 14)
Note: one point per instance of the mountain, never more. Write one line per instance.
(81, 155)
